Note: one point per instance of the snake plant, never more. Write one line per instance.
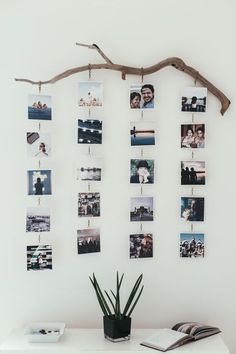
(110, 304)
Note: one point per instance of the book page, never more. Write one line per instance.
(164, 339)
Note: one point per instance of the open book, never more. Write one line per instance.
(181, 333)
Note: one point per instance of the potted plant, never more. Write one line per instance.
(117, 322)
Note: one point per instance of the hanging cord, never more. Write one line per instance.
(89, 71)
(39, 238)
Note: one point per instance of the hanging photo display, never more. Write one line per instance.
(39, 182)
(193, 136)
(193, 172)
(90, 169)
(38, 144)
(39, 107)
(194, 99)
(192, 208)
(141, 246)
(88, 240)
(39, 257)
(142, 96)
(38, 219)
(141, 209)
(88, 204)
(90, 94)
(192, 245)
(89, 131)
(142, 133)
(141, 171)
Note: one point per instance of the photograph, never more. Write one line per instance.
(89, 131)
(141, 209)
(191, 245)
(141, 96)
(39, 107)
(38, 144)
(192, 209)
(90, 169)
(90, 94)
(193, 172)
(141, 171)
(39, 257)
(89, 204)
(88, 240)
(194, 99)
(192, 136)
(38, 219)
(142, 133)
(39, 182)
(141, 246)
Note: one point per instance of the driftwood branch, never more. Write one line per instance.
(177, 63)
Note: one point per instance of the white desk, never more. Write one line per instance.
(92, 341)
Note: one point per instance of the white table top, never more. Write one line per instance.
(92, 341)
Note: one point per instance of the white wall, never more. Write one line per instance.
(37, 42)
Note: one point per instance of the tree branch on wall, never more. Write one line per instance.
(176, 62)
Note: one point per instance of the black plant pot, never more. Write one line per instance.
(117, 330)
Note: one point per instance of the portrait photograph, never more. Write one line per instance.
(192, 209)
(88, 240)
(141, 171)
(39, 182)
(142, 96)
(89, 131)
(88, 204)
(38, 144)
(90, 94)
(191, 245)
(39, 107)
(39, 257)
(141, 209)
(193, 172)
(90, 169)
(192, 136)
(194, 99)
(38, 219)
(142, 133)
(141, 246)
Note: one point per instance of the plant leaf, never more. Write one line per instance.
(135, 303)
(101, 299)
(132, 294)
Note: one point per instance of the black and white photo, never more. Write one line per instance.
(88, 240)
(88, 204)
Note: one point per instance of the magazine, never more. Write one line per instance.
(165, 339)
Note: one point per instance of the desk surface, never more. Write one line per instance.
(92, 341)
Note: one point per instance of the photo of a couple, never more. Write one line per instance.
(142, 96)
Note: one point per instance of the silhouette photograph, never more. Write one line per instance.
(193, 172)
(88, 240)
(194, 99)
(142, 133)
(39, 182)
